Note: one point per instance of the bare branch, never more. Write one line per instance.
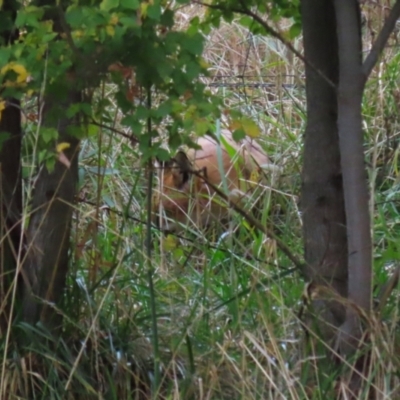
(381, 40)
(131, 137)
(253, 221)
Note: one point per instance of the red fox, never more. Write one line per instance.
(184, 196)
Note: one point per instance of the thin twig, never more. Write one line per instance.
(246, 11)
(195, 241)
(381, 40)
(253, 221)
(131, 137)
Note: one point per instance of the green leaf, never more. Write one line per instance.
(92, 130)
(142, 112)
(295, 30)
(75, 16)
(130, 4)
(108, 5)
(202, 126)
(29, 16)
(133, 123)
(48, 134)
(246, 21)
(78, 131)
(72, 110)
(154, 12)
(163, 154)
(42, 156)
(163, 110)
(5, 53)
(164, 69)
(238, 134)
(48, 37)
(86, 108)
(129, 22)
(193, 44)
(50, 163)
(167, 18)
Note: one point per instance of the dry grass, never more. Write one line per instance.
(227, 321)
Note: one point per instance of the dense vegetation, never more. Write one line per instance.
(121, 310)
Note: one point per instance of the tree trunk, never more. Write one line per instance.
(350, 91)
(356, 194)
(322, 201)
(49, 229)
(48, 234)
(10, 182)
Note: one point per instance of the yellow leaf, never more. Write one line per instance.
(143, 9)
(190, 111)
(20, 71)
(110, 30)
(170, 243)
(204, 64)
(235, 124)
(41, 51)
(249, 127)
(48, 24)
(62, 146)
(77, 34)
(114, 19)
(254, 178)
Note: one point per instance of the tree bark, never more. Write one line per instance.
(48, 233)
(10, 182)
(322, 200)
(350, 91)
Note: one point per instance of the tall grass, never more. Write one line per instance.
(227, 305)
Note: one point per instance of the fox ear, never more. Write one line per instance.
(181, 168)
(182, 161)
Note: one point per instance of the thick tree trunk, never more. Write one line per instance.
(322, 200)
(48, 234)
(338, 42)
(11, 206)
(10, 182)
(49, 229)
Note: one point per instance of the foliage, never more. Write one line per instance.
(83, 42)
(275, 10)
(227, 305)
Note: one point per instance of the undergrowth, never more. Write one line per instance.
(227, 305)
